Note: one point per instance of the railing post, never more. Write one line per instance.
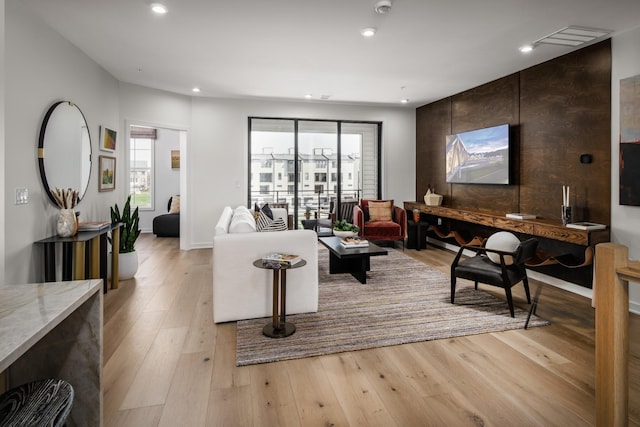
(612, 336)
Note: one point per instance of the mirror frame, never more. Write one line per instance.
(41, 150)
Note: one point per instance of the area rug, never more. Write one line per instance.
(403, 301)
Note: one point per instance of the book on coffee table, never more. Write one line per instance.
(354, 242)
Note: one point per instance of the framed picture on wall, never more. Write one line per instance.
(107, 139)
(106, 173)
(175, 159)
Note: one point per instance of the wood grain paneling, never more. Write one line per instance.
(433, 123)
(491, 104)
(565, 110)
(557, 111)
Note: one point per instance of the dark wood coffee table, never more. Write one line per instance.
(350, 260)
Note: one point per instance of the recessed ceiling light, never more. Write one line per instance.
(195, 89)
(368, 32)
(158, 8)
(308, 96)
(526, 48)
(404, 101)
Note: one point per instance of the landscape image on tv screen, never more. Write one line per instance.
(478, 156)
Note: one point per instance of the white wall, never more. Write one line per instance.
(40, 68)
(2, 133)
(217, 160)
(625, 220)
(219, 154)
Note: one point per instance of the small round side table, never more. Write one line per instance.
(279, 327)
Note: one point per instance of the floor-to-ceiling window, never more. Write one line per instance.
(309, 164)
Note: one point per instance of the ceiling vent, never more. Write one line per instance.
(382, 7)
(573, 36)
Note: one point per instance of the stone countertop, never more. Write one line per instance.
(29, 311)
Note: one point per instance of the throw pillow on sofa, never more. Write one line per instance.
(175, 205)
(264, 223)
(242, 221)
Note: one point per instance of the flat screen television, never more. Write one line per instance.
(479, 156)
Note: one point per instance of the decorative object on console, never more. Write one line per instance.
(431, 198)
(106, 173)
(67, 224)
(93, 225)
(584, 225)
(520, 215)
(566, 205)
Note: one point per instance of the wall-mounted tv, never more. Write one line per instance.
(479, 156)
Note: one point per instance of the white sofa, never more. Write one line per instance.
(243, 291)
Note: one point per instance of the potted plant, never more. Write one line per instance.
(342, 228)
(307, 212)
(129, 232)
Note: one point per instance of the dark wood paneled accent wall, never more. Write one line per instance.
(557, 110)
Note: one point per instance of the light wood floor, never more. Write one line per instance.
(167, 364)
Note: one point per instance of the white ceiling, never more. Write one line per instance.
(284, 49)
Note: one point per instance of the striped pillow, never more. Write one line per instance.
(264, 223)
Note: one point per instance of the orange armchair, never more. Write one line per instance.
(380, 220)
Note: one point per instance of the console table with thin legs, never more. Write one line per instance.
(84, 256)
(279, 327)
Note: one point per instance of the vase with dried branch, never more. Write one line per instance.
(66, 199)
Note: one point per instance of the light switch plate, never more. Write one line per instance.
(22, 196)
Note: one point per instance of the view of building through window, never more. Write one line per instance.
(141, 145)
(330, 166)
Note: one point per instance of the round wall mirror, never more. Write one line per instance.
(64, 149)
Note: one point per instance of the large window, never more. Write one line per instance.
(141, 146)
(319, 161)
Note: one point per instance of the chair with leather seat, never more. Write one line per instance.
(505, 270)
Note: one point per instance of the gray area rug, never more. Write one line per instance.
(403, 301)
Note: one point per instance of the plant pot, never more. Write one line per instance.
(127, 265)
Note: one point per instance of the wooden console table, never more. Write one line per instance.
(81, 260)
(535, 227)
